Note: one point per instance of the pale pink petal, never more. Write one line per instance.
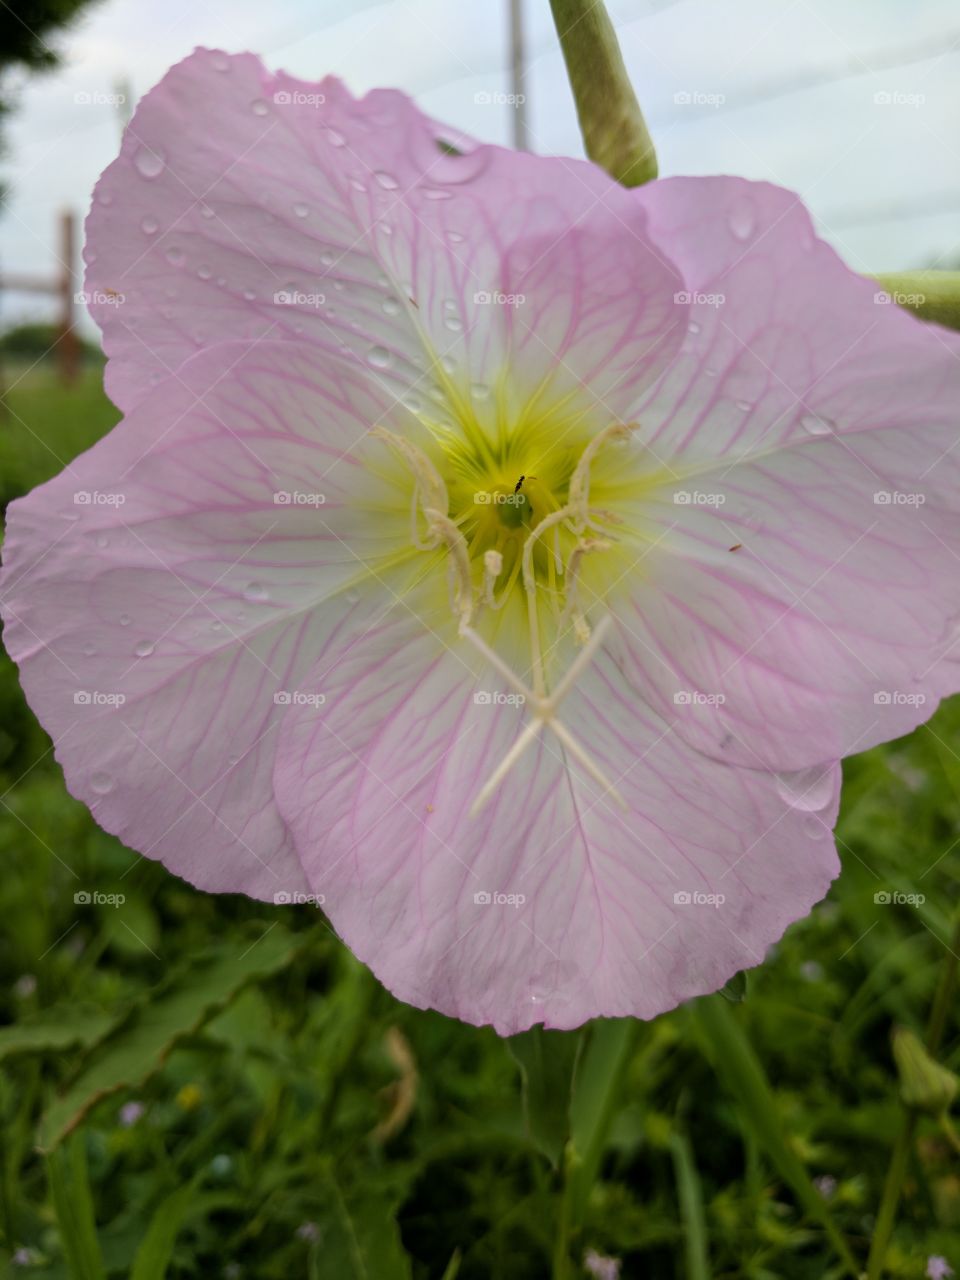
(245, 205)
(182, 566)
(797, 588)
(377, 785)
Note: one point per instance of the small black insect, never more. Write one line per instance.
(516, 487)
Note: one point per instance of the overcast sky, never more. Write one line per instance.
(869, 134)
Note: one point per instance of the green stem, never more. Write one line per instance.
(614, 131)
(899, 1158)
(931, 295)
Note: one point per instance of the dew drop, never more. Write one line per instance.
(149, 226)
(149, 163)
(327, 258)
(259, 107)
(102, 540)
(386, 180)
(220, 63)
(204, 272)
(89, 650)
(249, 295)
(216, 626)
(455, 237)
(105, 198)
(744, 406)
(454, 324)
(176, 257)
(379, 357)
(742, 220)
(256, 592)
(808, 789)
(413, 403)
(101, 783)
(124, 619)
(480, 391)
(144, 648)
(436, 193)
(301, 209)
(815, 425)
(814, 827)
(390, 306)
(693, 327)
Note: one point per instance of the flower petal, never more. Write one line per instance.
(299, 211)
(797, 594)
(162, 591)
(377, 785)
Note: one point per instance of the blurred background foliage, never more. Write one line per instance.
(200, 1086)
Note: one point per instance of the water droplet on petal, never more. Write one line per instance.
(815, 425)
(176, 257)
(301, 209)
(744, 406)
(124, 619)
(480, 391)
(386, 180)
(255, 592)
(327, 258)
(89, 650)
(101, 783)
(149, 163)
(149, 226)
(743, 219)
(437, 193)
(814, 827)
(693, 327)
(249, 295)
(809, 789)
(390, 306)
(259, 107)
(144, 649)
(204, 272)
(379, 357)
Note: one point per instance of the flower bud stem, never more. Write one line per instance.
(614, 131)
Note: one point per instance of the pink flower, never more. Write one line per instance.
(500, 558)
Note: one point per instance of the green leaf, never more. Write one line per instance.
(73, 1205)
(153, 1256)
(361, 1239)
(142, 1042)
(736, 989)
(595, 1095)
(735, 1062)
(59, 1027)
(547, 1061)
(690, 1195)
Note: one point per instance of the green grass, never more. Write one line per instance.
(297, 1121)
